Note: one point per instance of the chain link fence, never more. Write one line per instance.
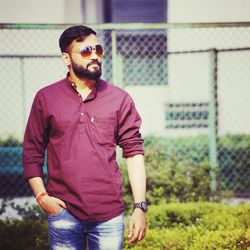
(190, 84)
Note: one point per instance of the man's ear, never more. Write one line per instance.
(66, 59)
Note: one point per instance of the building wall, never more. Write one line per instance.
(40, 11)
(196, 11)
(51, 11)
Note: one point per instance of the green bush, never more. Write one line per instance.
(178, 168)
(213, 216)
(23, 235)
(234, 158)
(170, 179)
(196, 226)
(180, 226)
(191, 238)
(11, 141)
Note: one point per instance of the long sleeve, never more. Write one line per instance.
(35, 139)
(129, 122)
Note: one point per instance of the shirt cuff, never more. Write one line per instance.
(33, 171)
(132, 152)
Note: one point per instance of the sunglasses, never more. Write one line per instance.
(87, 51)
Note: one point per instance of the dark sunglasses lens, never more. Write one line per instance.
(86, 51)
(99, 50)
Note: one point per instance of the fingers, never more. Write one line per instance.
(138, 235)
(130, 230)
(137, 226)
(52, 205)
(134, 237)
(142, 234)
(135, 233)
(61, 203)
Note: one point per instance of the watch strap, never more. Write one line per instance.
(142, 205)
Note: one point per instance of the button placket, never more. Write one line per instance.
(82, 113)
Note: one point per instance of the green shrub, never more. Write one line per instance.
(171, 226)
(178, 168)
(11, 141)
(196, 226)
(213, 216)
(171, 180)
(234, 158)
(23, 235)
(161, 239)
(175, 214)
(221, 240)
(193, 238)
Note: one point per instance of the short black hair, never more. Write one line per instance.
(72, 33)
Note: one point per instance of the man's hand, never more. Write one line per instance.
(137, 226)
(51, 205)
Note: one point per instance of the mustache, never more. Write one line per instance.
(94, 62)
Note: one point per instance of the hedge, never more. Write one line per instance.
(23, 235)
(171, 226)
(170, 179)
(196, 226)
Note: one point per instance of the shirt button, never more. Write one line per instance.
(82, 114)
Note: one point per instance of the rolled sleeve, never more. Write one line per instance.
(129, 136)
(35, 140)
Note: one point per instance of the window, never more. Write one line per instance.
(187, 115)
(142, 54)
(150, 11)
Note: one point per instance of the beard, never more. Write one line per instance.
(82, 72)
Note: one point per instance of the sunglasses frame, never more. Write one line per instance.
(89, 49)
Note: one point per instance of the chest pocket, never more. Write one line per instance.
(103, 130)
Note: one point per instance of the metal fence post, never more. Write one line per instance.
(213, 114)
(114, 58)
(23, 92)
(117, 63)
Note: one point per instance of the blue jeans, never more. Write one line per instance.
(66, 232)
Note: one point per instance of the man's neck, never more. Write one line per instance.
(84, 86)
(82, 83)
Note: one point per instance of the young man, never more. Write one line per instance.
(79, 121)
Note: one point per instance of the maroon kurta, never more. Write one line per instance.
(81, 138)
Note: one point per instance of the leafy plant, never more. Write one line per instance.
(196, 226)
(169, 179)
(180, 226)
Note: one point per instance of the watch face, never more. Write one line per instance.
(144, 206)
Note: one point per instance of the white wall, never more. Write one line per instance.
(192, 11)
(51, 11)
(40, 11)
(93, 11)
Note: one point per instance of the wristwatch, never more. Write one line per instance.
(142, 205)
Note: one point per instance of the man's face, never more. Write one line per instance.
(86, 58)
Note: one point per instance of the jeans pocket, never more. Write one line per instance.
(57, 213)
